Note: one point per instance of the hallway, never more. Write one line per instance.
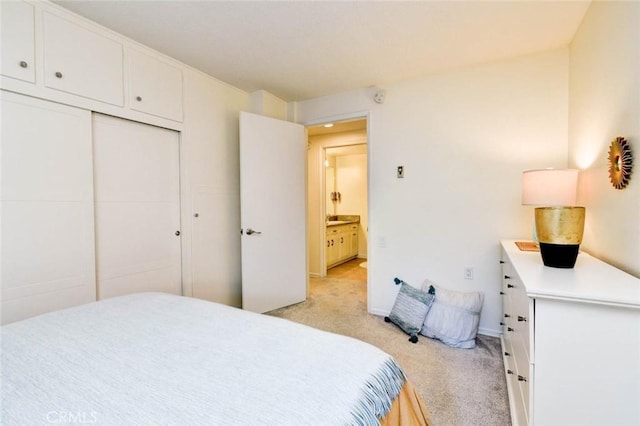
(350, 270)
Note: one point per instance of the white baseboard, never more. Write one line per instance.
(489, 332)
(379, 313)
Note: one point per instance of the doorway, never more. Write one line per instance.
(337, 195)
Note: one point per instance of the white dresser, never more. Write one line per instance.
(571, 341)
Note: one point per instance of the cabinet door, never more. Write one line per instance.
(47, 228)
(137, 203)
(82, 62)
(344, 239)
(155, 86)
(17, 38)
(353, 251)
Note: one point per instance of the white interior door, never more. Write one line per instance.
(137, 207)
(273, 212)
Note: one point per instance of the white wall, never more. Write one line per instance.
(464, 138)
(604, 104)
(264, 103)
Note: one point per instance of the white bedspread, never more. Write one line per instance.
(158, 359)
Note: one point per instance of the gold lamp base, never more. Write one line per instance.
(559, 231)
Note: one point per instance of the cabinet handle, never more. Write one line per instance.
(23, 64)
(503, 323)
(509, 329)
(521, 378)
(502, 293)
(507, 354)
(509, 372)
(177, 233)
(328, 243)
(331, 243)
(510, 286)
(521, 319)
(196, 215)
(139, 98)
(341, 240)
(507, 316)
(58, 74)
(501, 262)
(507, 277)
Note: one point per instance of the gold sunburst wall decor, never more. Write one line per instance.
(620, 163)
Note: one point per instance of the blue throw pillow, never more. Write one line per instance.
(410, 309)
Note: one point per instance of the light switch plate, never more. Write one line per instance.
(400, 170)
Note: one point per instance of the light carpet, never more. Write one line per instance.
(460, 386)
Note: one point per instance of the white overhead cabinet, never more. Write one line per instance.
(83, 62)
(47, 207)
(155, 86)
(17, 40)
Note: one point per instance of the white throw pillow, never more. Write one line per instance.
(454, 316)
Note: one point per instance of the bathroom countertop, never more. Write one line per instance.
(343, 219)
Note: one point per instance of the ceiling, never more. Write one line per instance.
(299, 50)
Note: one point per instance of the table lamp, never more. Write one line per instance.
(559, 223)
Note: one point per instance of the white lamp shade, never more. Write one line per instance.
(550, 187)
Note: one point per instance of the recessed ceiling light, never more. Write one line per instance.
(328, 125)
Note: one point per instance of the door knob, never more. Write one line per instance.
(251, 232)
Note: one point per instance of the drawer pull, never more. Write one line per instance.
(502, 293)
(23, 64)
(139, 98)
(507, 277)
(507, 316)
(501, 262)
(521, 378)
(509, 372)
(509, 329)
(502, 323)
(58, 74)
(507, 354)
(521, 319)
(510, 286)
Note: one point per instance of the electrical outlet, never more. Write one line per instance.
(468, 273)
(400, 172)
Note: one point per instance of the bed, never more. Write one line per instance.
(160, 359)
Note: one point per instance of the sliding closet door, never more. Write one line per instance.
(47, 241)
(137, 207)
